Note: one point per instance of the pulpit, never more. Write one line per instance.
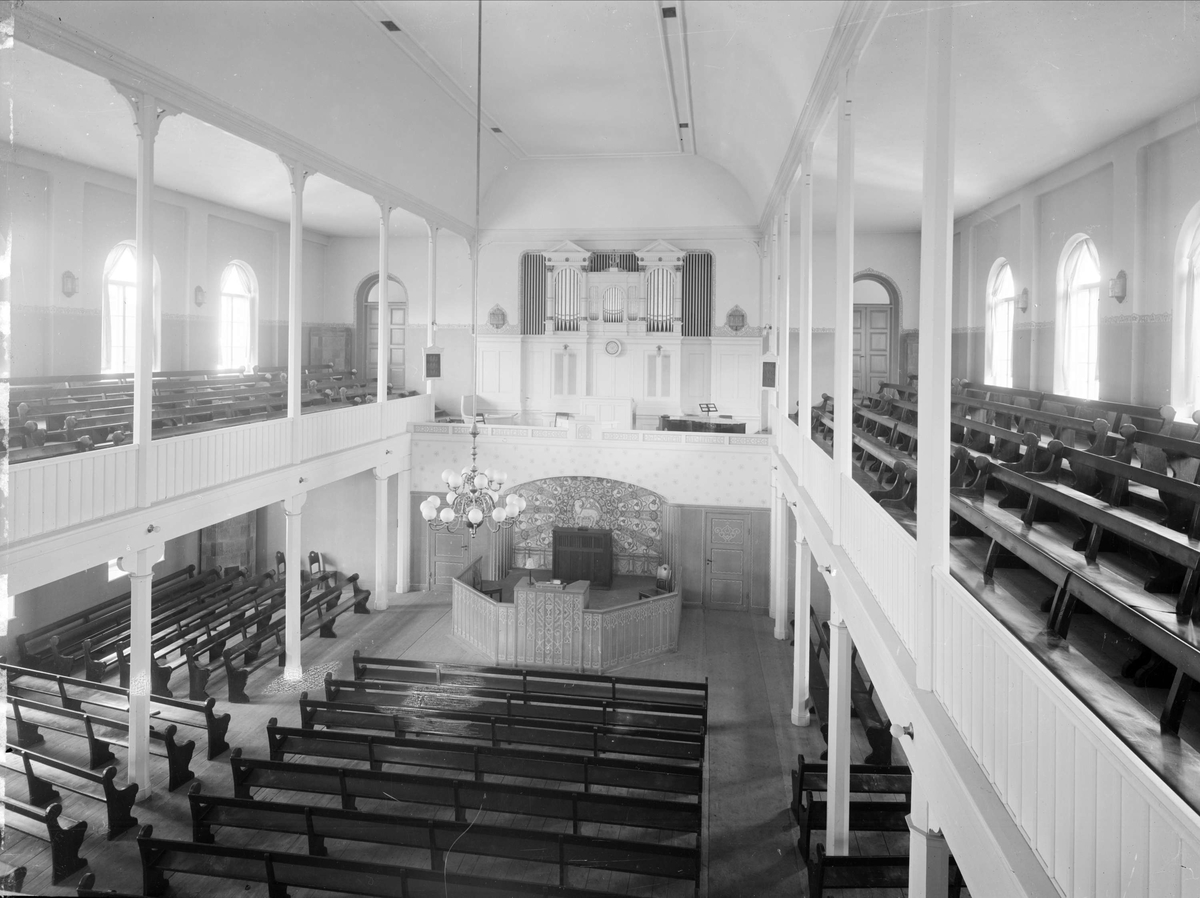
(583, 554)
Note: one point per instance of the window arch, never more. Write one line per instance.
(1001, 299)
(119, 309)
(1192, 300)
(1078, 319)
(238, 331)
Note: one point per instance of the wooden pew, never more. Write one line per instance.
(438, 837)
(74, 695)
(45, 716)
(836, 872)
(11, 878)
(64, 835)
(873, 815)
(463, 795)
(497, 730)
(87, 889)
(118, 802)
(483, 761)
(281, 871)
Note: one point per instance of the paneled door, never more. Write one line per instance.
(398, 315)
(447, 556)
(872, 346)
(726, 560)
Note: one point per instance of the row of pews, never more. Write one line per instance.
(421, 779)
(1102, 499)
(51, 416)
(207, 623)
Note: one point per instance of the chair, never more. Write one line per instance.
(471, 405)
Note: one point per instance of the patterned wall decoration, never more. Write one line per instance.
(635, 516)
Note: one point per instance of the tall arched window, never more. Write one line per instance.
(1001, 304)
(119, 310)
(1193, 306)
(238, 342)
(1078, 319)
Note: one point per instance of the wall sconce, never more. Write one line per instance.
(658, 350)
(70, 285)
(1023, 300)
(828, 569)
(1116, 287)
(199, 297)
(899, 732)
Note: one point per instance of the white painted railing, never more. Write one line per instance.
(627, 634)
(324, 432)
(1099, 820)
(789, 442)
(53, 493)
(204, 460)
(884, 555)
(473, 618)
(819, 477)
(399, 413)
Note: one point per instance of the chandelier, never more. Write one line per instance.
(474, 495)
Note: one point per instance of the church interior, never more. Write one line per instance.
(470, 448)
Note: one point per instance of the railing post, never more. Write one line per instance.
(148, 114)
(140, 567)
(838, 824)
(385, 315)
(297, 175)
(802, 632)
(928, 854)
(933, 398)
(403, 529)
(379, 596)
(292, 509)
(782, 599)
(843, 353)
(431, 326)
(804, 310)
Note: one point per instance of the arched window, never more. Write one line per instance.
(238, 342)
(119, 309)
(1078, 319)
(1001, 304)
(1192, 301)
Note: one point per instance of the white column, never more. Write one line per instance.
(775, 565)
(784, 599)
(1025, 278)
(804, 305)
(147, 116)
(928, 854)
(785, 309)
(843, 351)
(297, 175)
(933, 398)
(292, 506)
(800, 694)
(403, 530)
(773, 318)
(838, 828)
(140, 567)
(431, 327)
(385, 312)
(379, 595)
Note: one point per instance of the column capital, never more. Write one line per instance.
(293, 505)
(148, 112)
(140, 563)
(432, 228)
(298, 173)
(386, 208)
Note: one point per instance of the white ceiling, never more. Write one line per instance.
(64, 111)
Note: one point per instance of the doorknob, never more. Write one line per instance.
(708, 561)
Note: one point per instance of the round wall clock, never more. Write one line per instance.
(613, 347)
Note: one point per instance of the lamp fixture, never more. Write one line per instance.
(1117, 285)
(70, 284)
(199, 297)
(473, 496)
(1023, 300)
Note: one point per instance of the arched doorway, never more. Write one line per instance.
(876, 330)
(366, 308)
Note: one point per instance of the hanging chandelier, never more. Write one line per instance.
(474, 496)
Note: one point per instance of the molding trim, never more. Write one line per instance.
(851, 33)
(52, 36)
(554, 236)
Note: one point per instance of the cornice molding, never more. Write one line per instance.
(855, 24)
(52, 36)
(554, 236)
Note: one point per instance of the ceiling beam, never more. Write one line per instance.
(851, 33)
(672, 38)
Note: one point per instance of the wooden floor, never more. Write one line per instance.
(749, 840)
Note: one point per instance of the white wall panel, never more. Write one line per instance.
(48, 495)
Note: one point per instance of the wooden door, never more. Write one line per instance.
(447, 555)
(726, 560)
(399, 317)
(872, 346)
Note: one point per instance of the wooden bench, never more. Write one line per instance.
(74, 694)
(87, 889)
(178, 756)
(439, 837)
(118, 802)
(811, 813)
(497, 730)
(464, 796)
(281, 871)
(11, 878)
(64, 835)
(836, 872)
(482, 761)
